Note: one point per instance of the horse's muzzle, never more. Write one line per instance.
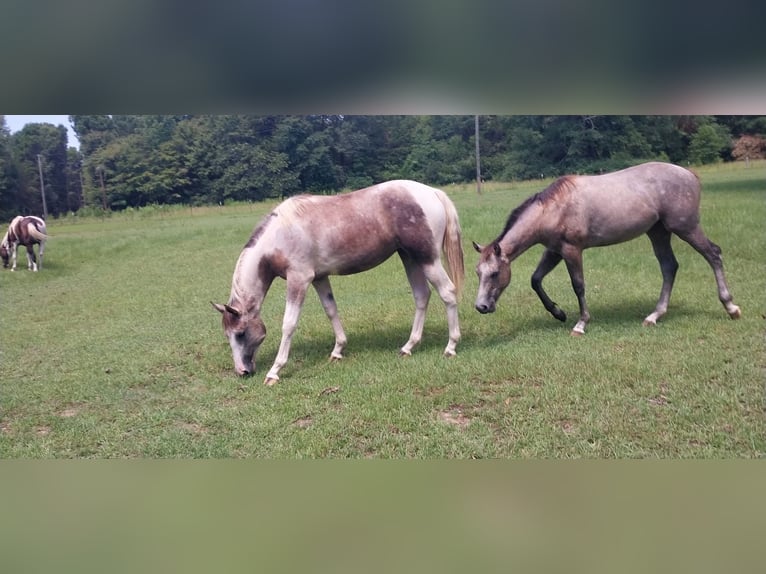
(244, 370)
(484, 309)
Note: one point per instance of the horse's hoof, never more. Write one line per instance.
(736, 314)
(449, 354)
(403, 353)
(269, 382)
(649, 323)
(574, 333)
(559, 314)
(335, 358)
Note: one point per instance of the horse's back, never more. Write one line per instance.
(672, 189)
(355, 231)
(625, 204)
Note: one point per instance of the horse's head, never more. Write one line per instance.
(494, 271)
(245, 331)
(5, 254)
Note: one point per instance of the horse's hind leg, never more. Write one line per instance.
(31, 260)
(421, 292)
(438, 277)
(660, 238)
(712, 254)
(548, 261)
(324, 290)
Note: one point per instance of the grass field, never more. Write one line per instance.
(113, 350)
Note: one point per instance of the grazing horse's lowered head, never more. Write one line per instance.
(305, 239)
(245, 332)
(496, 267)
(26, 231)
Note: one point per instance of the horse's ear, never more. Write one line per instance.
(223, 308)
(477, 247)
(496, 247)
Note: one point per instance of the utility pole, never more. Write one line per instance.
(42, 185)
(478, 159)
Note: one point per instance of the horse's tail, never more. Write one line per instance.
(452, 244)
(35, 232)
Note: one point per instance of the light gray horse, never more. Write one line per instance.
(305, 239)
(577, 212)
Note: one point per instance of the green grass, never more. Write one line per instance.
(113, 350)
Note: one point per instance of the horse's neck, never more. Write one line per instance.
(250, 283)
(524, 233)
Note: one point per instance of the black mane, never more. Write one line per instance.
(259, 230)
(540, 197)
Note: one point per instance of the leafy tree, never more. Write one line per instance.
(74, 199)
(205, 159)
(8, 175)
(709, 142)
(49, 142)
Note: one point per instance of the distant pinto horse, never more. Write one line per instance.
(27, 231)
(307, 238)
(577, 212)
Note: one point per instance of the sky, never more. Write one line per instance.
(15, 123)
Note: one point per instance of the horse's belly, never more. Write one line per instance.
(609, 223)
(350, 260)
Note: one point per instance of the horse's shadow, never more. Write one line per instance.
(314, 350)
(607, 318)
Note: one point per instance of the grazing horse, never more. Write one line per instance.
(577, 212)
(27, 231)
(305, 239)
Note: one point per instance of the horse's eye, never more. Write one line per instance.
(494, 275)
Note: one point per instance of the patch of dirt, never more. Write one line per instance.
(5, 427)
(661, 399)
(303, 422)
(70, 411)
(194, 428)
(454, 415)
(329, 391)
(568, 426)
(43, 430)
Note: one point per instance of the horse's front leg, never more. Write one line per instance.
(324, 290)
(14, 253)
(573, 258)
(548, 262)
(296, 293)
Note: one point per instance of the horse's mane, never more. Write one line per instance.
(294, 207)
(548, 194)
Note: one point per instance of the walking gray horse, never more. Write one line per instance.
(577, 212)
(305, 239)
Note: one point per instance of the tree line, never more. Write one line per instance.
(128, 161)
